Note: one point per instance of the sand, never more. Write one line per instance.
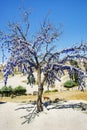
(53, 119)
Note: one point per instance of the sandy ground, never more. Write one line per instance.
(53, 119)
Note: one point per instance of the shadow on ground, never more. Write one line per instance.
(64, 105)
(32, 108)
(2, 102)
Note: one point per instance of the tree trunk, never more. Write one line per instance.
(39, 98)
(40, 90)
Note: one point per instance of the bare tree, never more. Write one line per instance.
(39, 54)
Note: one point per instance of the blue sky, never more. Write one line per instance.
(71, 13)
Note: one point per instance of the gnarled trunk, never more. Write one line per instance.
(40, 90)
(39, 98)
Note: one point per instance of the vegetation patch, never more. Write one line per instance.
(8, 91)
(70, 84)
(48, 91)
(19, 90)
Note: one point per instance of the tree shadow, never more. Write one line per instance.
(65, 105)
(32, 109)
(32, 112)
(2, 102)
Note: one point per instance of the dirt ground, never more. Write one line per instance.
(65, 95)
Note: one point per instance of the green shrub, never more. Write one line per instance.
(6, 91)
(10, 89)
(47, 91)
(55, 90)
(74, 75)
(20, 90)
(69, 84)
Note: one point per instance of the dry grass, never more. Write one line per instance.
(66, 95)
(24, 98)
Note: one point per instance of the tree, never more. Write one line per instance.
(39, 54)
(74, 75)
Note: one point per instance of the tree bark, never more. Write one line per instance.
(39, 98)
(40, 90)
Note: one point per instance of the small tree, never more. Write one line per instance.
(6, 91)
(19, 90)
(69, 84)
(39, 54)
(74, 75)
